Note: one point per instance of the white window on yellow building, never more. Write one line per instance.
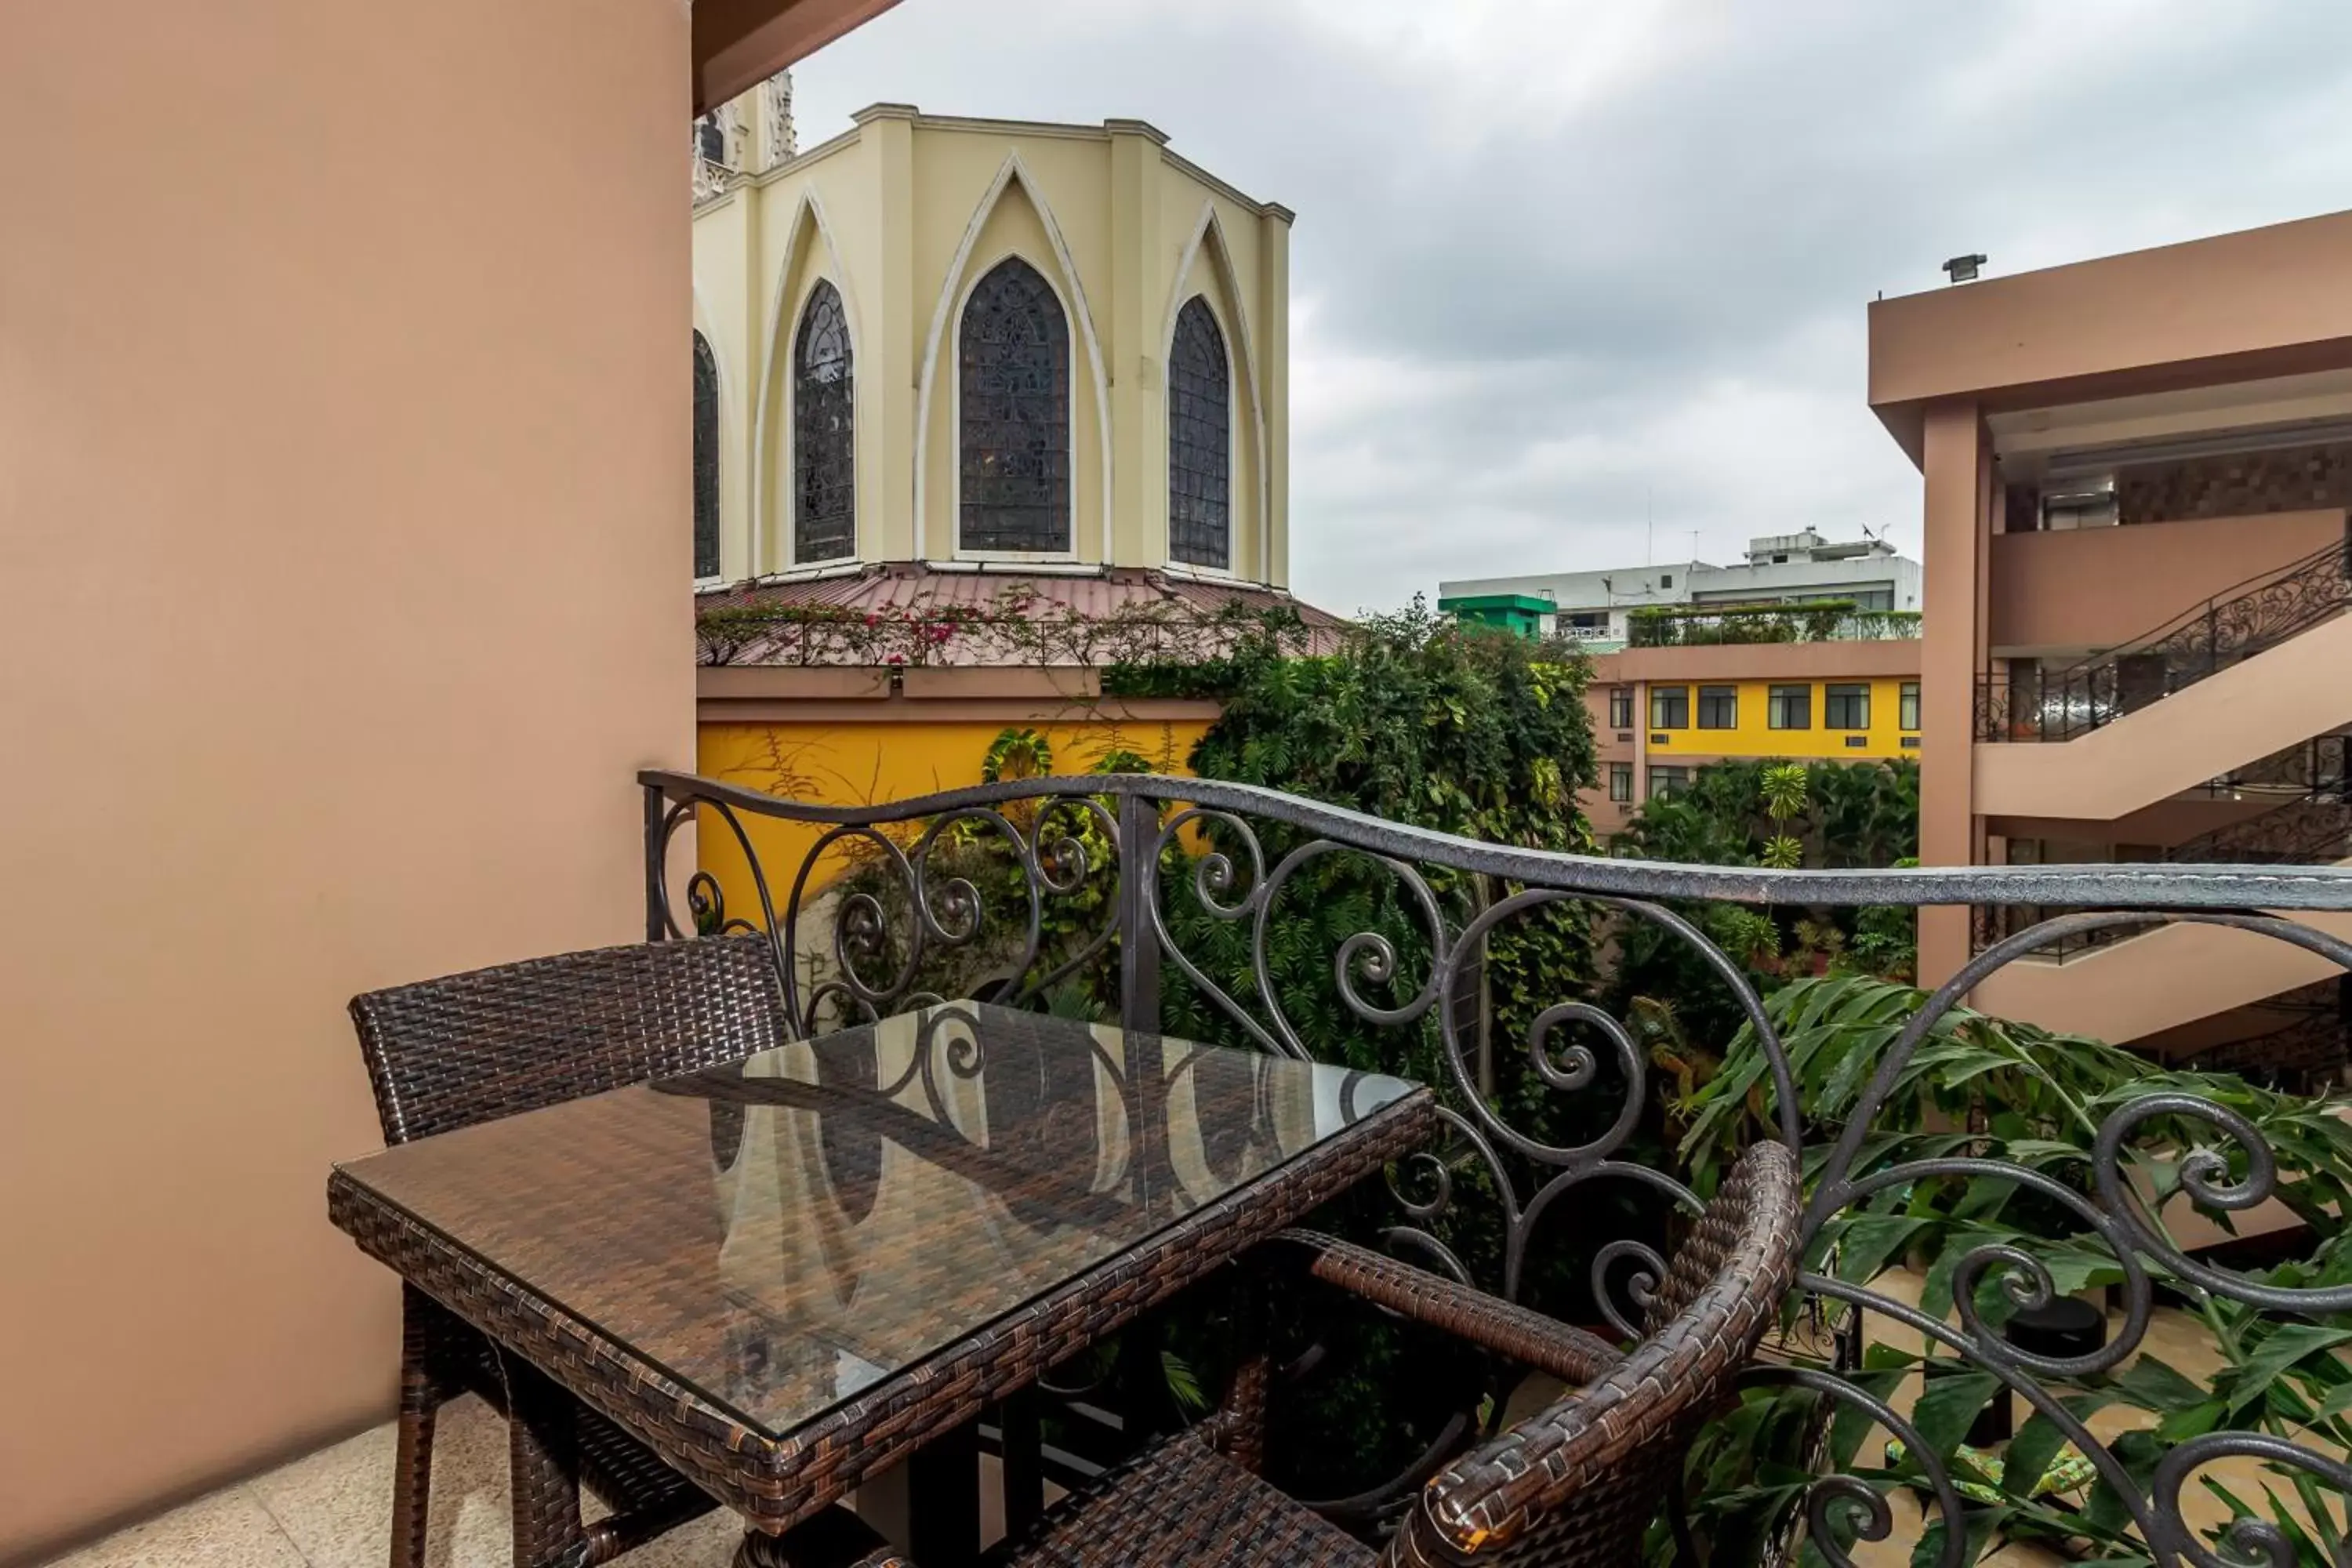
(1718, 708)
(1845, 706)
(1789, 708)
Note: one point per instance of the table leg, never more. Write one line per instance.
(834, 1539)
(1022, 1423)
(542, 1444)
(943, 1484)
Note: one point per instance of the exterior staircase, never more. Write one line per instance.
(2245, 675)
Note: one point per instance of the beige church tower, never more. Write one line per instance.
(986, 346)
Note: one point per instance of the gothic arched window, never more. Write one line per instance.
(1013, 413)
(1199, 441)
(824, 456)
(706, 460)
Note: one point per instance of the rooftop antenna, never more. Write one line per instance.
(1694, 554)
(1649, 522)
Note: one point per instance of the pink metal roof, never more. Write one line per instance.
(902, 587)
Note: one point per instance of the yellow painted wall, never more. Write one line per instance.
(903, 214)
(873, 763)
(1751, 738)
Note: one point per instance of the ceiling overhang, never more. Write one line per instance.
(738, 44)
(1905, 419)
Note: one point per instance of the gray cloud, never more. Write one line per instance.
(1572, 276)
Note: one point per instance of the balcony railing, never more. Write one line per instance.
(2310, 829)
(2250, 618)
(1839, 622)
(1648, 1039)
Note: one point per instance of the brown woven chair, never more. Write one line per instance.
(1575, 1487)
(450, 1053)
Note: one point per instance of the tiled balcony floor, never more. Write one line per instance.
(333, 1510)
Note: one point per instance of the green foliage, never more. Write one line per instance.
(1783, 816)
(1018, 625)
(1420, 720)
(1017, 753)
(1825, 620)
(1984, 1088)
(1844, 815)
(1120, 759)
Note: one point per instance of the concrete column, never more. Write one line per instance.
(893, 325)
(1641, 746)
(1140, 262)
(1274, 375)
(747, 491)
(1956, 465)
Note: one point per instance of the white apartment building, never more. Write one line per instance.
(1788, 568)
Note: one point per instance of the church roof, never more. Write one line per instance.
(994, 617)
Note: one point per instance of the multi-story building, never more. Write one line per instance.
(1597, 607)
(1808, 650)
(2135, 475)
(1840, 689)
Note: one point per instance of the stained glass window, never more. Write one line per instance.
(706, 460)
(1200, 440)
(824, 459)
(1014, 414)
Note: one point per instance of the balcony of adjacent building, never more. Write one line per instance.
(2168, 985)
(2163, 606)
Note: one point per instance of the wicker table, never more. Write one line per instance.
(791, 1273)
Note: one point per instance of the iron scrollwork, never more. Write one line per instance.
(1232, 858)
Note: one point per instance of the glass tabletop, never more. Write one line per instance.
(784, 1232)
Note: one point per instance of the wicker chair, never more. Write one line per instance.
(450, 1053)
(1575, 1487)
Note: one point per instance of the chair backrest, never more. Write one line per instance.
(447, 1053)
(1578, 1486)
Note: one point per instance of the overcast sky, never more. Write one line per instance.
(1561, 266)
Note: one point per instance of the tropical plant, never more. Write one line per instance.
(1785, 792)
(1785, 815)
(1017, 753)
(1841, 815)
(2009, 1093)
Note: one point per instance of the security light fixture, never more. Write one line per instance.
(1963, 268)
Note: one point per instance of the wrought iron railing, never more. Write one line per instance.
(2308, 1053)
(2309, 829)
(2235, 624)
(1310, 931)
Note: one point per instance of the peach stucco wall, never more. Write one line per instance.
(2277, 291)
(2100, 587)
(1853, 660)
(343, 400)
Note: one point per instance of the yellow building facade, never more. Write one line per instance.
(1660, 714)
(894, 239)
